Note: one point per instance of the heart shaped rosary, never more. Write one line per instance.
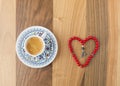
(83, 49)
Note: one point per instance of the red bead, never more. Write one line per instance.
(83, 42)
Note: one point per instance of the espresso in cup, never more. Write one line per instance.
(35, 45)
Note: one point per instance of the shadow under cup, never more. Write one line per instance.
(34, 45)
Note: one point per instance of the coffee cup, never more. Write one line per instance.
(35, 45)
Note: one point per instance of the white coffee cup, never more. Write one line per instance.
(41, 38)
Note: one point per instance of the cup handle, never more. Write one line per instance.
(43, 35)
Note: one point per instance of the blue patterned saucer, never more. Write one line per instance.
(49, 53)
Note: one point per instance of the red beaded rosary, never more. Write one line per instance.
(83, 52)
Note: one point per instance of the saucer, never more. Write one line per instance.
(49, 53)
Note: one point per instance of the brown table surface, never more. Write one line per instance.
(65, 18)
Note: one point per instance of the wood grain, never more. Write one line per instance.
(69, 18)
(97, 25)
(81, 18)
(33, 12)
(7, 43)
(113, 77)
(117, 30)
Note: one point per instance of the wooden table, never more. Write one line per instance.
(65, 18)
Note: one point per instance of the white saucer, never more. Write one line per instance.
(42, 60)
